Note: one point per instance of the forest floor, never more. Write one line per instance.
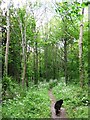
(62, 110)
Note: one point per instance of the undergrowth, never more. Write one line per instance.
(75, 99)
(34, 102)
(31, 103)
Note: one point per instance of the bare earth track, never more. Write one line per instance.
(62, 115)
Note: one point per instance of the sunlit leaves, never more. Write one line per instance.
(68, 10)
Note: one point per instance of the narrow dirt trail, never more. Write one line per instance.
(62, 111)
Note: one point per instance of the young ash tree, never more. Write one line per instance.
(8, 39)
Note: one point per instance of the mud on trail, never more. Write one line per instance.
(62, 115)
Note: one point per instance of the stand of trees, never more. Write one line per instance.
(58, 49)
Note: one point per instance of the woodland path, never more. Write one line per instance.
(62, 111)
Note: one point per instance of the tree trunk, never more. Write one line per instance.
(54, 61)
(24, 56)
(8, 40)
(45, 62)
(36, 63)
(65, 60)
(81, 77)
(89, 45)
(40, 64)
(23, 37)
(57, 65)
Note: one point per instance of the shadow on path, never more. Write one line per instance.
(62, 115)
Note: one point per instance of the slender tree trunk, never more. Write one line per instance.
(36, 63)
(8, 40)
(24, 56)
(81, 77)
(46, 53)
(65, 60)
(46, 62)
(89, 53)
(23, 64)
(89, 46)
(40, 64)
(35, 60)
(56, 62)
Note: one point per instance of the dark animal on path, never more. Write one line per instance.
(57, 106)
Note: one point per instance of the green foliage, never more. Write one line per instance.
(9, 88)
(69, 10)
(75, 99)
(52, 83)
(49, 40)
(35, 104)
(6, 82)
